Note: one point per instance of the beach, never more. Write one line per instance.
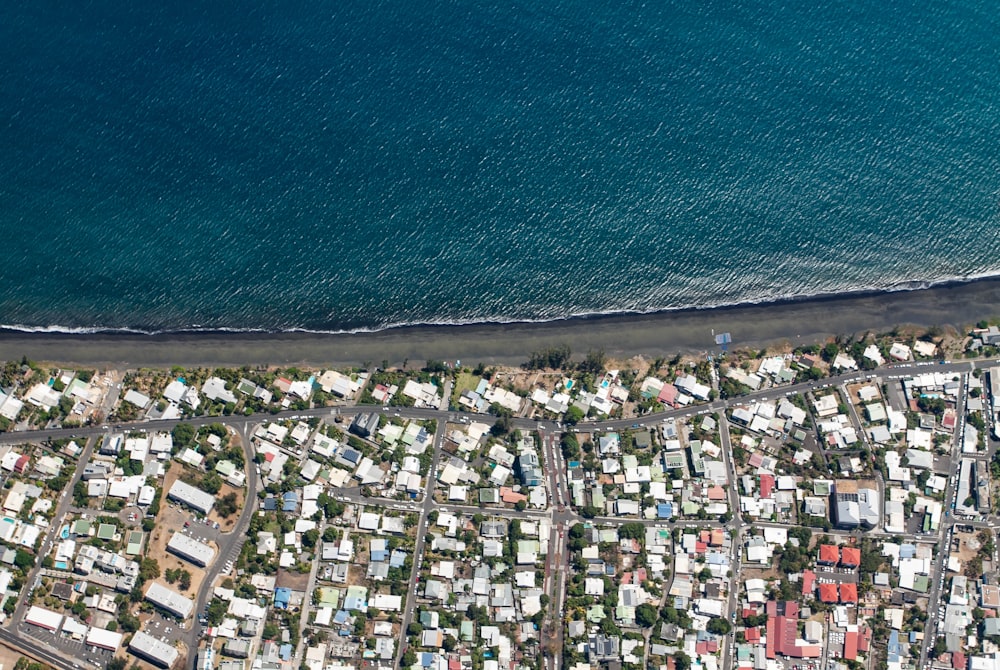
(620, 336)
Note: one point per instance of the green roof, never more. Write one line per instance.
(81, 527)
(134, 546)
(106, 531)
(225, 468)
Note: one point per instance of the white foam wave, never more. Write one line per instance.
(445, 323)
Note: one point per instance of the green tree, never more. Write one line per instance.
(645, 615)
(573, 415)
(718, 626)
(149, 569)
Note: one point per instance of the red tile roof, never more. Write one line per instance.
(958, 660)
(829, 553)
(848, 593)
(850, 646)
(808, 582)
(668, 394)
(752, 635)
(866, 639)
(828, 593)
(850, 556)
(766, 485)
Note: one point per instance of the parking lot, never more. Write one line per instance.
(98, 658)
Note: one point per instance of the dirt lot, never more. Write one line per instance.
(8, 657)
(226, 525)
(171, 519)
(292, 580)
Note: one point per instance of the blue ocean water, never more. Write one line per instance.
(357, 165)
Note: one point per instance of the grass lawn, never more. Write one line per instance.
(465, 381)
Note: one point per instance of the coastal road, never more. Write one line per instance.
(897, 371)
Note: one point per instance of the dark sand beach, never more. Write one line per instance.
(664, 333)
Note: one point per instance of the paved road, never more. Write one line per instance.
(230, 544)
(418, 550)
(65, 500)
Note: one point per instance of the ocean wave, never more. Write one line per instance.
(900, 287)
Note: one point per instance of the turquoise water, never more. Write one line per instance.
(357, 165)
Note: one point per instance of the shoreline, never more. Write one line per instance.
(795, 321)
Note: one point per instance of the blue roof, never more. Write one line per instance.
(285, 652)
(281, 597)
(895, 649)
(354, 603)
(341, 616)
(426, 659)
(351, 455)
(291, 495)
(664, 510)
(397, 558)
(270, 504)
(289, 506)
(378, 555)
(907, 550)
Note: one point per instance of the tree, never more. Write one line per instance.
(117, 664)
(129, 623)
(682, 661)
(573, 415)
(309, 538)
(211, 483)
(631, 531)
(501, 427)
(593, 362)
(183, 434)
(645, 615)
(149, 569)
(718, 626)
(226, 505)
(23, 559)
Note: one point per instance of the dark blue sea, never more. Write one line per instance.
(357, 165)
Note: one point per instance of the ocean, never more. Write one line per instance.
(298, 165)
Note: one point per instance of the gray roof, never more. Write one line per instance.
(191, 496)
(151, 649)
(191, 549)
(169, 600)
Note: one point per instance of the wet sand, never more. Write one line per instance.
(665, 333)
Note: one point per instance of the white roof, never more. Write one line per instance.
(105, 639)
(140, 400)
(190, 548)
(39, 616)
(191, 496)
(149, 647)
(169, 600)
